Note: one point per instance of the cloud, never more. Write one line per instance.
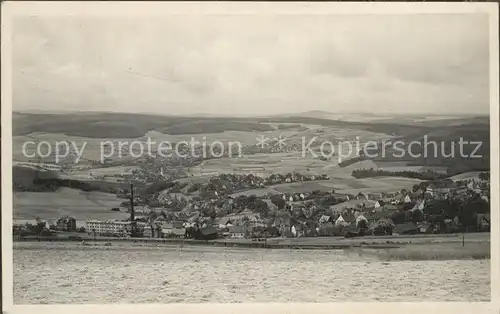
(253, 64)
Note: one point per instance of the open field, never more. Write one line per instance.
(403, 166)
(341, 185)
(122, 125)
(267, 164)
(221, 274)
(403, 247)
(352, 204)
(91, 147)
(243, 137)
(410, 119)
(79, 204)
(112, 127)
(92, 172)
(261, 164)
(466, 176)
(393, 166)
(292, 135)
(470, 238)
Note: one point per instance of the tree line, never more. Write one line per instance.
(372, 173)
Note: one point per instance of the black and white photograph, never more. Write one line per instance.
(249, 153)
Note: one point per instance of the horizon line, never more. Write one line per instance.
(228, 115)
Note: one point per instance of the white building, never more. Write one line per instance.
(147, 232)
(360, 218)
(106, 226)
(340, 221)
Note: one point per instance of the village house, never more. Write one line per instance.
(452, 225)
(474, 186)
(325, 219)
(345, 219)
(173, 233)
(386, 207)
(376, 216)
(382, 226)
(398, 199)
(445, 187)
(283, 218)
(425, 227)
(349, 217)
(361, 204)
(66, 224)
(390, 208)
(160, 221)
(419, 206)
(418, 192)
(361, 218)
(406, 228)
(147, 231)
(407, 199)
(239, 232)
(329, 229)
(483, 222)
(256, 222)
(362, 196)
(374, 196)
(341, 197)
(223, 222)
(208, 233)
(297, 230)
(325, 230)
(168, 228)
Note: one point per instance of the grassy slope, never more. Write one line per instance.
(442, 251)
(132, 125)
(444, 137)
(117, 125)
(79, 204)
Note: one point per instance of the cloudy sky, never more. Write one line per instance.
(252, 64)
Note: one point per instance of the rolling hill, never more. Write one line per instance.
(446, 152)
(94, 125)
(118, 125)
(79, 204)
(121, 125)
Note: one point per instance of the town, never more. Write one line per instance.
(431, 207)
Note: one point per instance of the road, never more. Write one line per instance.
(414, 239)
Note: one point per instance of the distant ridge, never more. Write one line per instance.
(129, 125)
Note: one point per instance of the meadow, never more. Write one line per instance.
(91, 172)
(261, 164)
(79, 204)
(86, 205)
(121, 125)
(466, 176)
(341, 185)
(91, 147)
(219, 274)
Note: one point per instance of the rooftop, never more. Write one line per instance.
(399, 228)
